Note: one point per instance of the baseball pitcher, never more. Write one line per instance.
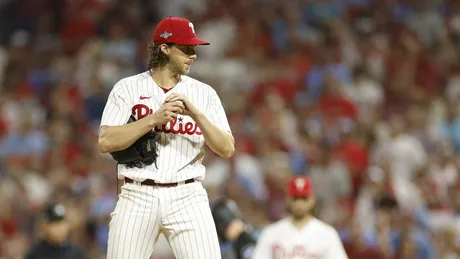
(155, 125)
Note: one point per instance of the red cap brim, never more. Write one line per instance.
(300, 194)
(193, 41)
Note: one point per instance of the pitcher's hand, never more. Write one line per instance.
(190, 109)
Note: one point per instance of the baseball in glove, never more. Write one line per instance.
(141, 153)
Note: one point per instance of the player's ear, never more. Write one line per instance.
(165, 49)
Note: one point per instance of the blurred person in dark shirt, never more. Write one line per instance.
(356, 247)
(398, 232)
(383, 236)
(54, 242)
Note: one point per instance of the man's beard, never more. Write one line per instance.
(300, 215)
(176, 68)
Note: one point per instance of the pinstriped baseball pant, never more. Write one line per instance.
(182, 213)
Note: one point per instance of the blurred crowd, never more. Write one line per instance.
(363, 96)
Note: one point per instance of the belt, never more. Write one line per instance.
(150, 182)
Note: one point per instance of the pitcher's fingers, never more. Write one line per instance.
(171, 115)
(172, 97)
(176, 104)
(177, 109)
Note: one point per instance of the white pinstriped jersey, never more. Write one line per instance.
(316, 240)
(180, 142)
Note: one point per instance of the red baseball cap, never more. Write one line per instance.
(300, 186)
(178, 31)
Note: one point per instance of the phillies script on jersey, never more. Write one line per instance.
(298, 251)
(141, 111)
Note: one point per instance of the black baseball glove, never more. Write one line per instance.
(141, 153)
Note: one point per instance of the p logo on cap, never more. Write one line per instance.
(300, 186)
(300, 183)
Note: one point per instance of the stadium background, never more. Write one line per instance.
(360, 95)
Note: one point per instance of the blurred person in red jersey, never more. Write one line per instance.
(300, 235)
(333, 102)
(352, 149)
(412, 57)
